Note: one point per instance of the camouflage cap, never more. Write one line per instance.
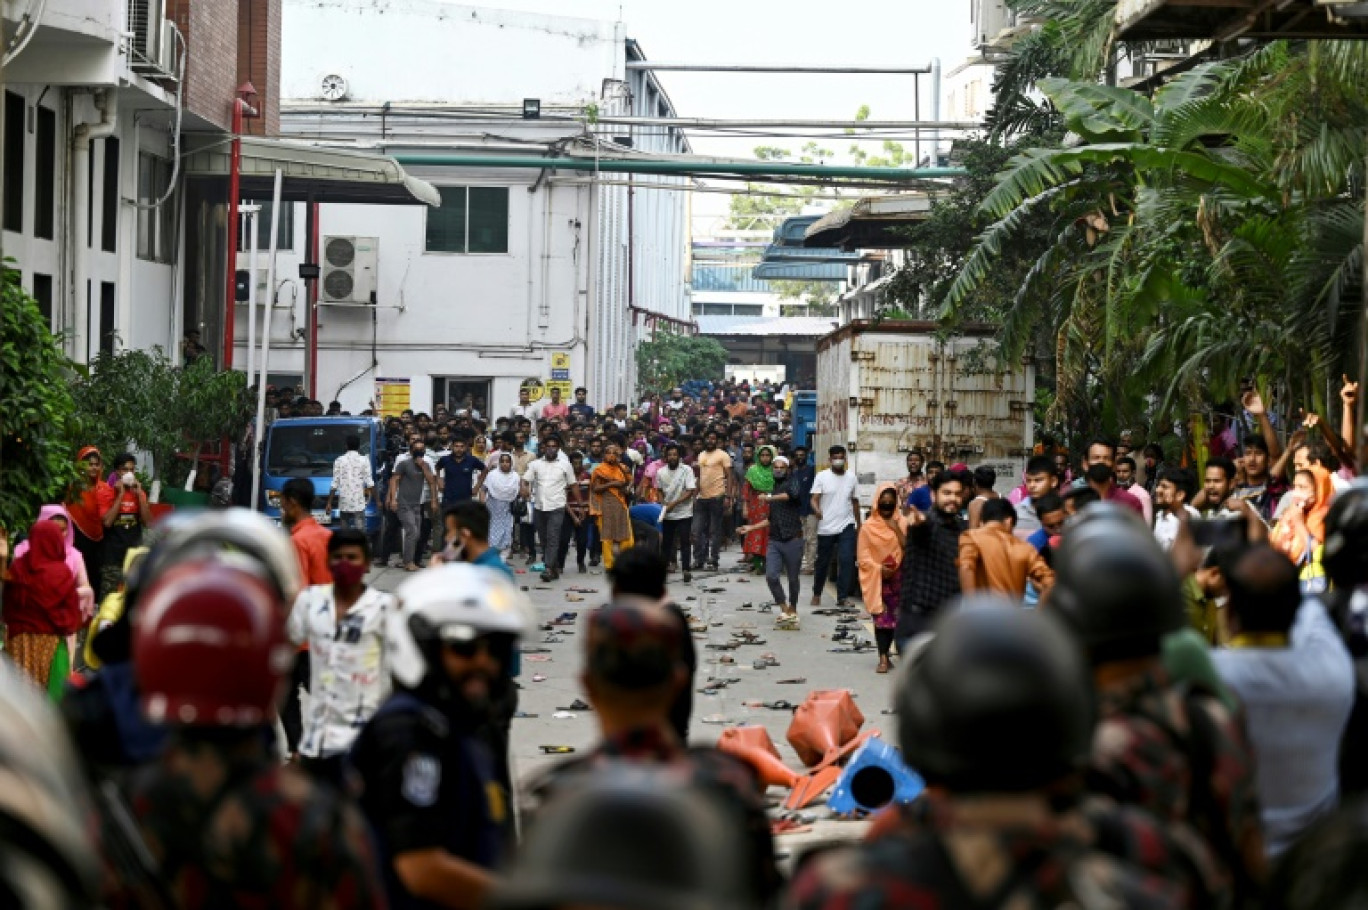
(633, 646)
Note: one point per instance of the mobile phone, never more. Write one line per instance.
(1218, 532)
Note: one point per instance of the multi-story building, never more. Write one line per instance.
(98, 95)
(521, 274)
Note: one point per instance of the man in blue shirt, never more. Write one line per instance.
(460, 471)
(581, 407)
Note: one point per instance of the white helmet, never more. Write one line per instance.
(450, 603)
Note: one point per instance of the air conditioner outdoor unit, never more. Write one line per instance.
(349, 269)
(990, 18)
(146, 23)
(166, 60)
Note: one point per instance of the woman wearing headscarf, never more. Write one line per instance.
(42, 609)
(498, 491)
(878, 555)
(608, 486)
(1300, 531)
(759, 483)
(59, 516)
(89, 501)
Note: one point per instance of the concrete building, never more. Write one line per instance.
(520, 275)
(95, 93)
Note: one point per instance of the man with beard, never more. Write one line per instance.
(785, 548)
(430, 792)
(836, 503)
(930, 561)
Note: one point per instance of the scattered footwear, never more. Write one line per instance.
(576, 705)
(558, 750)
(537, 677)
(687, 577)
(787, 622)
(796, 681)
(565, 619)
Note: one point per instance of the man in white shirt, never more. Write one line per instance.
(1176, 486)
(1294, 676)
(352, 484)
(836, 503)
(550, 482)
(525, 408)
(677, 488)
(344, 626)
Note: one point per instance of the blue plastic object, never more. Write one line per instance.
(875, 777)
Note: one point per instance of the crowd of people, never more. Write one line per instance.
(1122, 688)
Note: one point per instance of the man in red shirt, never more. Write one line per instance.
(1100, 473)
(555, 409)
(309, 538)
(311, 547)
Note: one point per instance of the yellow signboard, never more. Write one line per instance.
(392, 396)
(535, 389)
(560, 374)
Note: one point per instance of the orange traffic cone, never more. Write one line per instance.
(753, 746)
(826, 721)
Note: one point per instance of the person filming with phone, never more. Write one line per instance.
(125, 520)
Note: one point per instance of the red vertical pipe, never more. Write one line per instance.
(230, 264)
(313, 304)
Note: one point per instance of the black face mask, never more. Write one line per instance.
(886, 509)
(1100, 473)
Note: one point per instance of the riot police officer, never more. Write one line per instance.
(429, 786)
(1176, 751)
(1345, 558)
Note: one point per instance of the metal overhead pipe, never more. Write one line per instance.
(703, 123)
(759, 169)
(775, 68)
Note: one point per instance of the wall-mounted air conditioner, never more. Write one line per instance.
(349, 270)
(151, 49)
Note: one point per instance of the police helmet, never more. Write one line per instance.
(1345, 555)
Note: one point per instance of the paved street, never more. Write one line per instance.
(721, 600)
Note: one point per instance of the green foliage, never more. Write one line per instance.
(142, 399)
(669, 359)
(36, 464)
(1192, 240)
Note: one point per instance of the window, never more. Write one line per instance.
(42, 292)
(107, 317)
(156, 227)
(45, 176)
(13, 219)
(109, 197)
(471, 220)
(285, 238)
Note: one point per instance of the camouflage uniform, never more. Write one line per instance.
(701, 767)
(235, 830)
(1008, 856)
(1184, 757)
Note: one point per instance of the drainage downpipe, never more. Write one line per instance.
(86, 133)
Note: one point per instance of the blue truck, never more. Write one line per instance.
(307, 447)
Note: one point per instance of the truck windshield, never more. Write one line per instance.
(309, 451)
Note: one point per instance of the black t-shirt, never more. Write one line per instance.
(126, 532)
(427, 785)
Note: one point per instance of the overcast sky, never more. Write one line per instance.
(800, 32)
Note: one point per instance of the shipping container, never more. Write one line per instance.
(886, 388)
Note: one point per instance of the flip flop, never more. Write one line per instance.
(523, 714)
(781, 705)
(728, 646)
(718, 719)
(536, 658)
(557, 750)
(535, 651)
(576, 705)
(574, 598)
(563, 715)
(537, 677)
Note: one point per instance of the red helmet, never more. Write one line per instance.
(209, 645)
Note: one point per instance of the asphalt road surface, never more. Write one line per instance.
(728, 603)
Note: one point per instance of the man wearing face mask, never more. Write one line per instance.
(411, 478)
(836, 503)
(1100, 475)
(467, 537)
(343, 624)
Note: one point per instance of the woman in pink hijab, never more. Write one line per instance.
(74, 562)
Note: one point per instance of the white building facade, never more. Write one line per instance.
(88, 124)
(523, 274)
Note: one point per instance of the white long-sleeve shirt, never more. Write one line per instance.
(1297, 701)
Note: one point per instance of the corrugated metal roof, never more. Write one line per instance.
(807, 326)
